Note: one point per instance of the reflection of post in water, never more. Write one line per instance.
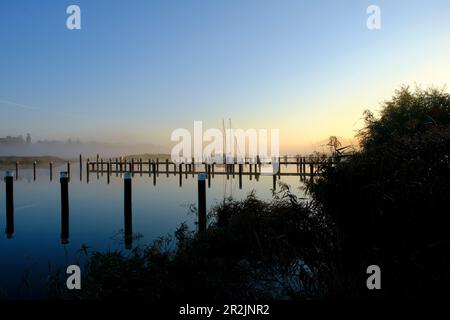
(9, 204)
(128, 233)
(64, 180)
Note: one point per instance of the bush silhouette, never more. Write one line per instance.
(390, 199)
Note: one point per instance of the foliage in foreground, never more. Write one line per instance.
(390, 199)
(252, 249)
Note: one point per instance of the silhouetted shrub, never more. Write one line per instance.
(390, 199)
(252, 249)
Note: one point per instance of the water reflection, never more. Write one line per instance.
(49, 235)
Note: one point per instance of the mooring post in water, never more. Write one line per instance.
(50, 165)
(17, 170)
(64, 180)
(157, 166)
(9, 181)
(108, 171)
(68, 170)
(140, 167)
(181, 174)
(155, 170)
(101, 166)
(240, 176)
(167, 167)
(201, 202)
(149, 167)
(274, 181)
(81, 168)
(311, 169)
(34, 170)
(127, 178)
(279, 168)
(87, 170)
(209, 176)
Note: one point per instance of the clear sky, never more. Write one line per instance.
(139, 69)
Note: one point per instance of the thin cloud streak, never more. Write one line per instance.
(19, 105)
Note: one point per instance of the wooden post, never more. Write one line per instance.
(140, 167)
(87, 170)
(181, 174)
(108, 171)
(279, 168)
(304, 165)
(132, 167)
(167, 168)
(209, 175)
(128, 229)
(250, 170)
(96, 164)
(81, 168)
(68, 170)
(240, 176)
(17, 170)
(157, 166)
(149, 167)
(9, 182)
(155, 170)
(34, 170)
(50, 164)
(201, 203)
(64, 181)
(274, 181)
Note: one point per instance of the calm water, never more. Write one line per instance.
(96, 218)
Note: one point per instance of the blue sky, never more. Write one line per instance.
(139, 69)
